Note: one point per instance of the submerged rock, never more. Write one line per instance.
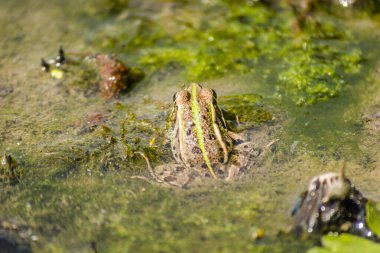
(115, 76)
(332, 204)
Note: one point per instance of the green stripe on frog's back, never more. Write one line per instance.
(198, 128)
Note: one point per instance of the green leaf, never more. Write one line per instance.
(373, 217)
(345, 243)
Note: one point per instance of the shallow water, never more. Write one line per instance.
(76, 193)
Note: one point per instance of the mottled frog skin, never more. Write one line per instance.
(200, 142)
(199, 135)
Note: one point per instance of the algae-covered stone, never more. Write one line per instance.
(333, 204)
(9, 170)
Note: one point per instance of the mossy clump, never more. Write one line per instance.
(114, 148)
(9, 170)
(217, 46)
(246, 109)
(316, 71)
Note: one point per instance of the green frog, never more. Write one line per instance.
(200, 141)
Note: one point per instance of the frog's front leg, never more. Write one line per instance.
(167, 174)
(244, 151)
(235, 136)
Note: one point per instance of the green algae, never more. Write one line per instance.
(313, 68)
(245, 108)
(314, 65)
(77, 192)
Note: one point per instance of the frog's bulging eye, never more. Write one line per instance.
(206, 95)
(181, 97)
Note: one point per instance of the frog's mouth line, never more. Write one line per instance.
(198, 127)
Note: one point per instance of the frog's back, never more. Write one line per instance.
(199, 136)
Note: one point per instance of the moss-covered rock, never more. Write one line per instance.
(9, 170)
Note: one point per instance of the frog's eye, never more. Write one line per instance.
(214, 93)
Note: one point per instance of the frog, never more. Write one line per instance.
(332, 204)
(201, 143)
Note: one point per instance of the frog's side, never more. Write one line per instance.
(332, 204)
(200, 141)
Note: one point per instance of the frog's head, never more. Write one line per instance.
(195, 93)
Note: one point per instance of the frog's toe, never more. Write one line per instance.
(233, 171)
(248, 149)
